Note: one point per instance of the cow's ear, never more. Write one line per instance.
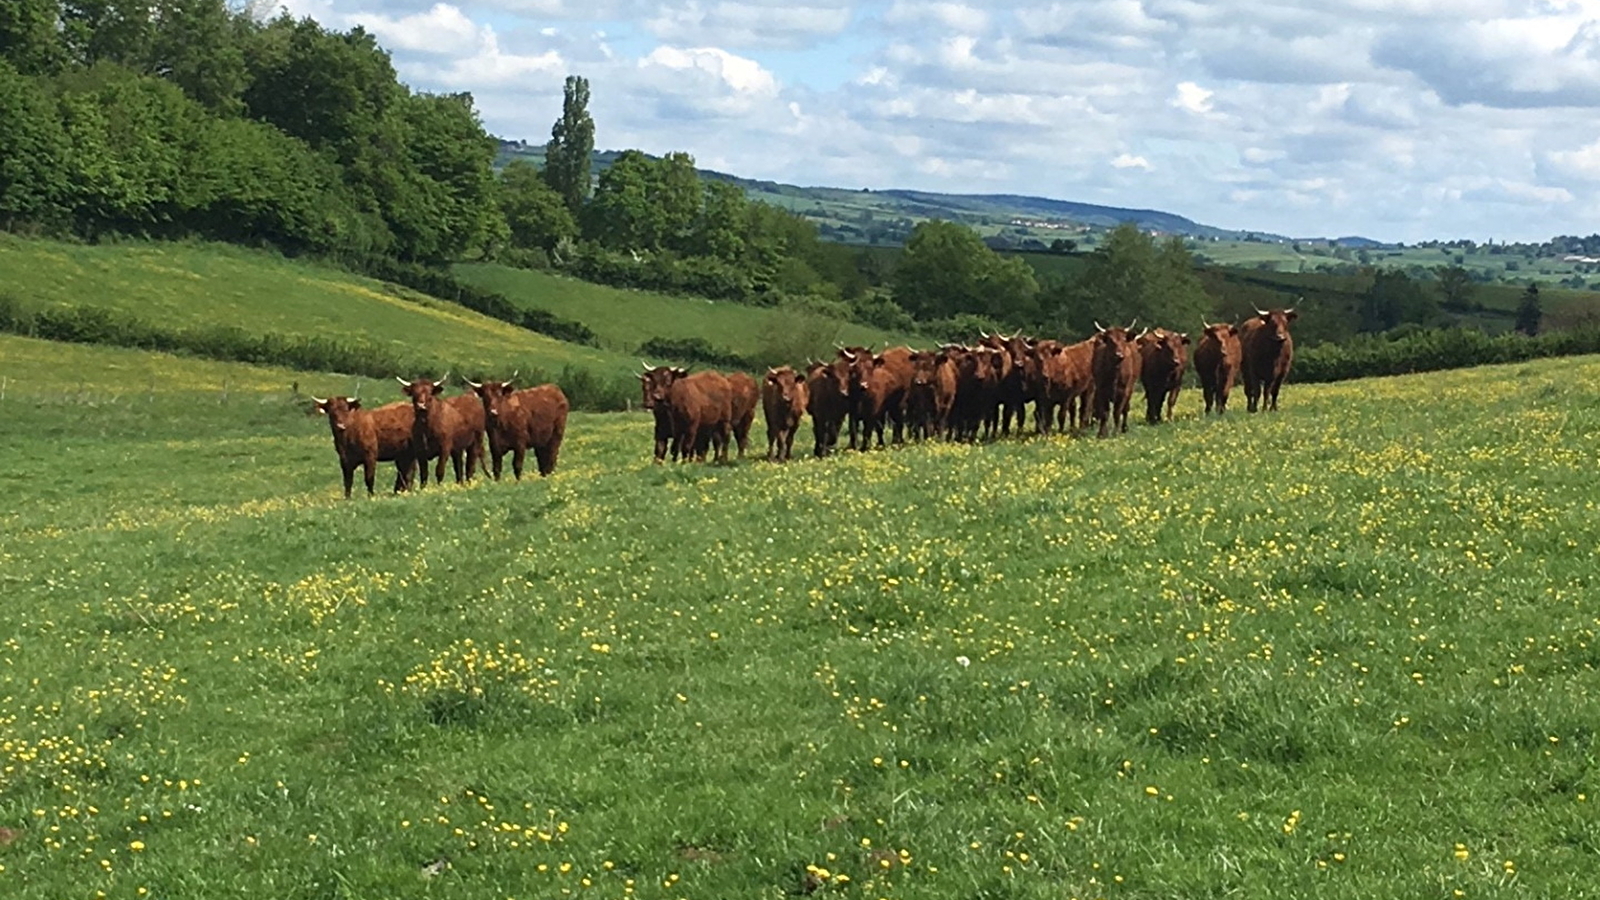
(1291, 315)
(355, 403)
(877, 361)
(1185, 338)
(1233, 330)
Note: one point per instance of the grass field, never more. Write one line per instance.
(625, 319)
(1344, 651)
(206, 284)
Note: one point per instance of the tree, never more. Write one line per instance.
(1455, 286)
(1393, 299)
(33, 149)
(947, 270)
(535, 213)
(28, 35)
(566, 157)
(1128, 277)
(198, 45)
(1530, 311)
(623, 214)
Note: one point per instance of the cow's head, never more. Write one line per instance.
(829, 377)
(1166, 346)
(923, 363)
(494, 395)
(1275, 323)
(423, 392)
(862, 364)
(339, 410)
(785, 383)
(1219, 331)
(656, 381)
(1115, 341)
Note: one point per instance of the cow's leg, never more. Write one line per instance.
(518, 456)
(1172, 403)
(349, 473)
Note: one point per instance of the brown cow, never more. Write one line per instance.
(365, 437)
(783, 402)
(1164, 356)
(932, 394)
(702, 406)
(1067, 385)
(1266, 351)
(1116, 369)
(828, 401)
(517, 420)
(746, 397)
(1016, 388)
(445, 428)
(655, 382)
(978, 372)
(1216, 362)
(879, 385)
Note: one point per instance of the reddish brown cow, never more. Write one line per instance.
(879, 385)
(783, 402)
(445, 428)
(746, 397)
(932, 394)
(655, 382)
(1164, 356)
(1266, 351)
(1116, 370)
(516, 420)
(363, 438)
(1216, 362)
(828, 401)
(1067, 379)
(702, 406)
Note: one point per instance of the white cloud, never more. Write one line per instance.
(1192, 97)
(1129, 161)
(743, 76)
(746, 24)
(954, 16)
(1582, 163)
(443, 30)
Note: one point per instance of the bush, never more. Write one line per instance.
(445, 286)
(1427, 351)
(693, 350)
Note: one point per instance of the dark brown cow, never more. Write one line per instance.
(1164, 357)
(746, 397)
(1116, 370)
(932, 394)
(828, 401)
(879, 385)
(445, 428)
(1016, 388)
(1067, 379)
(702, 406)
(978, 372)
(1216, 362)
(783, 402)
(516, 420)
(1266, 351)
(365, 437)
(655, 382)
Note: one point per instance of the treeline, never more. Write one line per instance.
(183, 117)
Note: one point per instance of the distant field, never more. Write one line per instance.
(625, 319)
(210, 284)
(1345, 651)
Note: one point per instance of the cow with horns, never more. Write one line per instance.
(1216, 363)
(365, 437)
(445, 428)
(1266, 352)
(516, 421)
(1116, 369)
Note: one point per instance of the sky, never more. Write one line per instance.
(1400, 120)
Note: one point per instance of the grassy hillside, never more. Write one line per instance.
(205, 284)
(626, 319)
(1346, 651)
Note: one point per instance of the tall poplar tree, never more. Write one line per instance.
(566, 157)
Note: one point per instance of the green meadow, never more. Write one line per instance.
(1343, 651)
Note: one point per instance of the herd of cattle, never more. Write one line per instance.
(957, 392)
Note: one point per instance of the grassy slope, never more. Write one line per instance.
(1303, 655)
(183, 284)
(625, 319)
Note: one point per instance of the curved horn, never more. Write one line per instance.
(317, 400)
(473, 384)
(647, 366)
(1147, 331)
(403, 382)
(514, 374)
(1016, 334)
(1289, 310)
(440, 383)
(1203, 325)
(1098, 326)
(1132, 324)
(1259, 310)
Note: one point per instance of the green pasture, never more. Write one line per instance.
(1344, 651)
(182, 285)
(624, 319)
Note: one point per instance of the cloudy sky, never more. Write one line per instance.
(1395, 119)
